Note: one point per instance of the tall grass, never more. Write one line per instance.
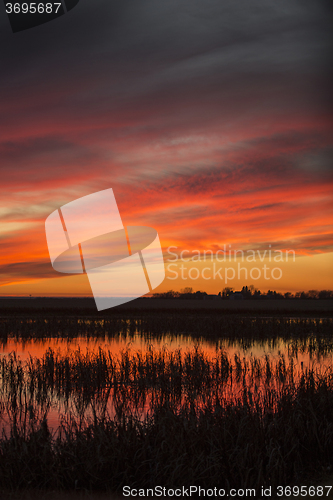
(163, 418)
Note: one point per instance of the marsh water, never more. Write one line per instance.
(85, 377)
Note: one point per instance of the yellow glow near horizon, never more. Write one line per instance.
(305, 273)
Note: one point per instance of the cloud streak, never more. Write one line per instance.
(212, 122)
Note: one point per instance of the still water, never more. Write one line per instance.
(252, 367)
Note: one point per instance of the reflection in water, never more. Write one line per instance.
(87, 378)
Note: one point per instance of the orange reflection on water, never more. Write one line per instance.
(210, 373)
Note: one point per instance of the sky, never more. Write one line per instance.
(211, 121)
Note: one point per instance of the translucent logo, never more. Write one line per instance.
(87, 236)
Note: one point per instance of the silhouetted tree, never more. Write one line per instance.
(226, 292)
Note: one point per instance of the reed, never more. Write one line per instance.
(146, 418)
(158, 324)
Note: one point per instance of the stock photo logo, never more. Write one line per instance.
(87, 236)
(23, 15)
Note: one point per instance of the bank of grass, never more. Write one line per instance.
(197, 324)
(173, 421)
(236, 447)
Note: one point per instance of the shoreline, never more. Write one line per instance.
(87, 305)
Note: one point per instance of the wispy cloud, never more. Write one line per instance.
(210, 120)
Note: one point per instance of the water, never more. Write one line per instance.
(26, 400)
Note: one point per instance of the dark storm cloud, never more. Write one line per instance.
(125, 40)
(124, 57)
(160, 63)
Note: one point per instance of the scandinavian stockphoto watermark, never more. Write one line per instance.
(226, 263)
(87, 236)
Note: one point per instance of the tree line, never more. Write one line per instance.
(247, 292)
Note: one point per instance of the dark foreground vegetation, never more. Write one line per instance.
(225, 446)
(171, 418)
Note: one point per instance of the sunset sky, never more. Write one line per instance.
(211, 121)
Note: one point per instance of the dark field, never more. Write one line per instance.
(288, 306)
